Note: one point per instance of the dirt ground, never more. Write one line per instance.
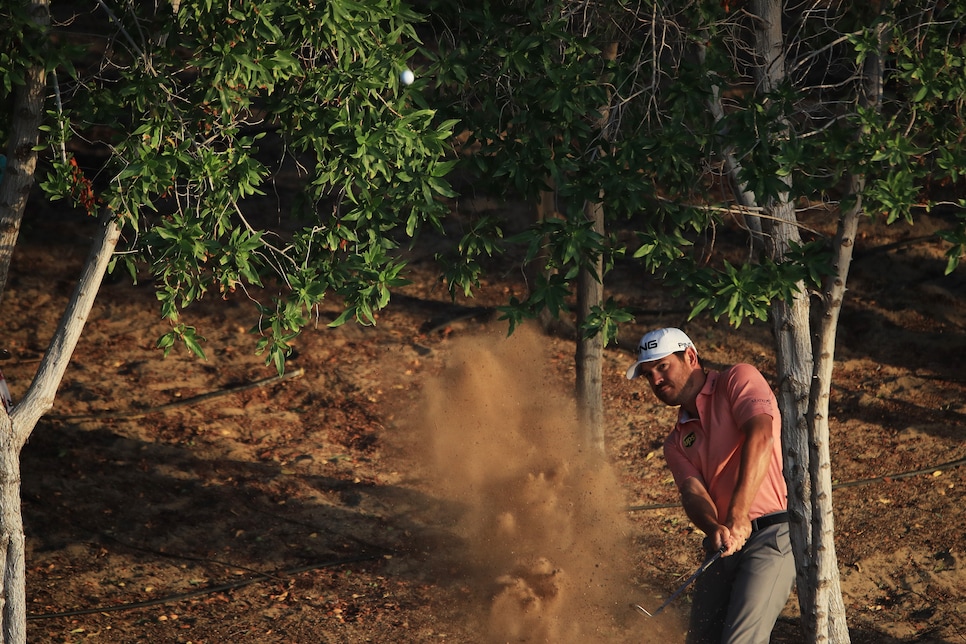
(422, 480)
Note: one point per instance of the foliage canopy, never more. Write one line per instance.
(529, 83)
(167, 116)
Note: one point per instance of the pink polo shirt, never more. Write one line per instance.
(709, 447)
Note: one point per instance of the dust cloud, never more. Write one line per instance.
(540, 514)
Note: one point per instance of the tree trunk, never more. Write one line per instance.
(26, 115)
(805, 440)
(590, 293)
(590, 351)
(794, 364)
(12, 551)
(829, 618)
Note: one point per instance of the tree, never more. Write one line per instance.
(730, 113)
(816, 85)
(171, 103)
(532, 84)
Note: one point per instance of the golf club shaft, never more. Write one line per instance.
(697, 573)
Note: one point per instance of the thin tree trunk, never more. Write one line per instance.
(590, 351)
(590, 293)
(16, 429)
(830, 615)
(794, 363)
(40, 396)
(12, 551)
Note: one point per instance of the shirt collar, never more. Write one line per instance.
(706, 390)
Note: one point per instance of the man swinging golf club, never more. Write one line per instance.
(725, 456)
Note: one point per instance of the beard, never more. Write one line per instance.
(670, 395)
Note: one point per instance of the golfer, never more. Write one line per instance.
(726, 459)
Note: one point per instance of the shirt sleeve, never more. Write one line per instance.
(750, 394)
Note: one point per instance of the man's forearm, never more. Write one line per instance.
(699, 507)
(755, 459)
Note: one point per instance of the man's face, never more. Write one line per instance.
(670, 377)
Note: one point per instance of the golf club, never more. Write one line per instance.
(697, 573)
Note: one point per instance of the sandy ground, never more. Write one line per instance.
(423, 480)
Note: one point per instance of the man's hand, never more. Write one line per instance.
(726, 539)
(699, 507)
(739, 530)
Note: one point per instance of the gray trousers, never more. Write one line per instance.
(738, 599)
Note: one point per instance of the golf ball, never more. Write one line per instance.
(407, 77)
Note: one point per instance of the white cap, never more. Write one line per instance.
(658, 344)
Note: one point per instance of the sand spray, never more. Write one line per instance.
(542, 514)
